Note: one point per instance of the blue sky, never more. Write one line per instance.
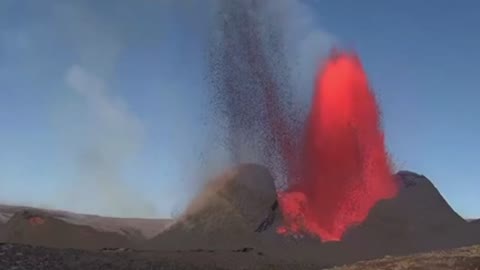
(108, 99)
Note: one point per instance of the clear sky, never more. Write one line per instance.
(102, 103)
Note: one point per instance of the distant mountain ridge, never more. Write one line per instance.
(147, 227)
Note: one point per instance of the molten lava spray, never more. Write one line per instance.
(249, 75)
(336, 164)
(344, 165)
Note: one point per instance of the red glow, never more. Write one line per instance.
(36, 221)
(345, 168)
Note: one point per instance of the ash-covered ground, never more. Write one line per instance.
(21, 257)
(220, 231)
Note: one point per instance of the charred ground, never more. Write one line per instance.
(417, 220)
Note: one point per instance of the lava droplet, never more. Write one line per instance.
(344, 168)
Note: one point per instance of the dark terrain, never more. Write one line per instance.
(220, 230)
(24, 257)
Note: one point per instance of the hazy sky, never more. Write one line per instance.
(103, 103)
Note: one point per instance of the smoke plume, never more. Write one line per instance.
(107, 134)
(112, 137)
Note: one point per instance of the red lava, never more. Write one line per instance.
(34, 221)
(345, 168)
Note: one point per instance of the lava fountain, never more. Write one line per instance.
(344, 168)
(334, 159)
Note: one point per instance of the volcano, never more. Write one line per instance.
(333, 157)
(226, 216)
(234, 218)
(234, 209)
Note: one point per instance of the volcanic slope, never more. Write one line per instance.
(229, 209)
(131, 227)
(40, 229)
(236, 209)
(474, 221)
(2, 233)
(419, 219)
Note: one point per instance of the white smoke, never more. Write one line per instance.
(307, 43)
(105, 136)
(111, 138)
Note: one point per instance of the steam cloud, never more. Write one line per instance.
(113, 136)
(108, 135)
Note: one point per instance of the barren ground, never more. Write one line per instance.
(459, 259)
(20, 257)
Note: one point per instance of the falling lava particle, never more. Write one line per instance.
(345, 168)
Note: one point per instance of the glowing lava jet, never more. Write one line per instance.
(344, 167)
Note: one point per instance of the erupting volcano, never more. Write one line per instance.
(344, 166)
(332, 156)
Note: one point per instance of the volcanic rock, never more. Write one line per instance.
(236, 213)
(417, 219)
(474, 221)
(134, 228)
(235, 209)
(38, 228)
(2, 233)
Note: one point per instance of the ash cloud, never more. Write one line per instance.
(262, 63)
